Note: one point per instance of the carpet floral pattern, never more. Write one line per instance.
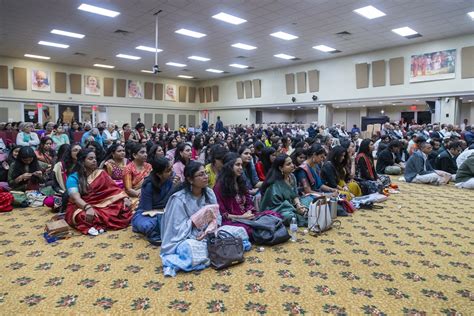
(413, 257)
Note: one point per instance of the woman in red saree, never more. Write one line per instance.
(135, 172)
(96, 203)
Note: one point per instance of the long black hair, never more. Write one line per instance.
(99, 150)
(265, 158)
(364, 148)
(296, 153)
(158, 166)
(134, 149)
(19, 167)
(198, 142)
(247, 167)
(80, 168)
(10, 158)
(152, 153)
(191, 168)
(41, 145)
(334, 157)
(228, 179)
(111, 150)
(66, 158)
(274, 174)
(179, 149)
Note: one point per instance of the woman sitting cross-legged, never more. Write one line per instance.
(135, 172)
(189, 215)
(280, 192)
(365, 169)
(266, 159)
(115, 162)
(67, 158)
(232, 194)
(309, 178)
(156, 190)
(334, 173)
(96, 203)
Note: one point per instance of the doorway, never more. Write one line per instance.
(407, 118)
(423, 117)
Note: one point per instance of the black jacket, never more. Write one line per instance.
(445, 162)
(384, 160)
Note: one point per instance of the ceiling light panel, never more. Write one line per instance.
(217, 71)
(324, 48)
(128, 56)
(199, 58)
(190, 33)
(175, 64)
(45, 43)
(471, 14)
(66, 33)
(284, 56)
(405, 31)
(36, 56)
(229, 18)
(147, 71)
(370, 12)
(239, 66)
(185, 77)
(149, 49)
(243, 46)
(285, 36)
(104, 66)
(98, 10)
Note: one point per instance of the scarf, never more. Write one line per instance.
(368, 163)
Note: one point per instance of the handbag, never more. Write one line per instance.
(319, 216)
(267, 230)
(224, 250)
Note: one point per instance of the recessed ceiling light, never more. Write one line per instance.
(175, 64)
(66, 33)
(460, 98)
(53, 44)
(324, 48)
(285, 36)
(128, 56)
(148, 49)
(284, 56)
(104, 66)
(186, 77)
(199, 58)
(37, 56)
(190, 33)
(417, 100)
(405, 31)
(217, 71)
(370, 12)
(471, 14)
(243, 46)
(229, 18)
(469, 100)
(98, 10)
(147, 71)
(380, 102)
(239, 66)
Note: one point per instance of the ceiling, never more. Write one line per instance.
(24, 23)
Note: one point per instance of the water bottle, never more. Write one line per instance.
(293, 229)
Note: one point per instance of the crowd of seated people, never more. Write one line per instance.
(167, 184)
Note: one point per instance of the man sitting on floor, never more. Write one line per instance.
(465, 174)
(419, 170)
(446, 160)
(388, 161)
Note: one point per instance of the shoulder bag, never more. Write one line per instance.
(224, 250)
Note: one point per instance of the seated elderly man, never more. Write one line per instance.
(388, 161)
(419, 170)
(446, 160)
(92, 135)
(465, 174)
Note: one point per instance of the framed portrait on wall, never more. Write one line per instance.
(40, 80)
(170, 92)
(134, 89)
(91, 85)
(438, 65)
(68, 113)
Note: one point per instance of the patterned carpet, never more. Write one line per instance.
(413, 257)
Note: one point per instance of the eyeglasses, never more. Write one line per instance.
(201, 175)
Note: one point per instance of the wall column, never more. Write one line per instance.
(448, 110)
(325, 112)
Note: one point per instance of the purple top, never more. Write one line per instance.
(237, 205)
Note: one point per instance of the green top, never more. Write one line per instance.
(466, 170)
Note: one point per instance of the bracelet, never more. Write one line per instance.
(87, 206)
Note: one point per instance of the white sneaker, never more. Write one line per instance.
(93, 232)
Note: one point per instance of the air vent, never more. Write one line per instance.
(251, 68)
(100, 59)
(414, 36)
(123, 32)
(241, 57)
(184, 69)
(79, 54)
(335, 51)
(343, 33)
(296, 58)
(397, 102)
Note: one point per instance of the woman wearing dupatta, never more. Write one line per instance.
(67, 157)
(115, 163)
(45, 155)
(280, 193)
(307, 175)
(135, 172)
(368, 179)
(96, 203)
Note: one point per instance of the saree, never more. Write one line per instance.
(107, 200)
(279, 198)
(133, 179)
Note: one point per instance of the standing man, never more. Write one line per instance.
(204, 126)
(219, 125)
